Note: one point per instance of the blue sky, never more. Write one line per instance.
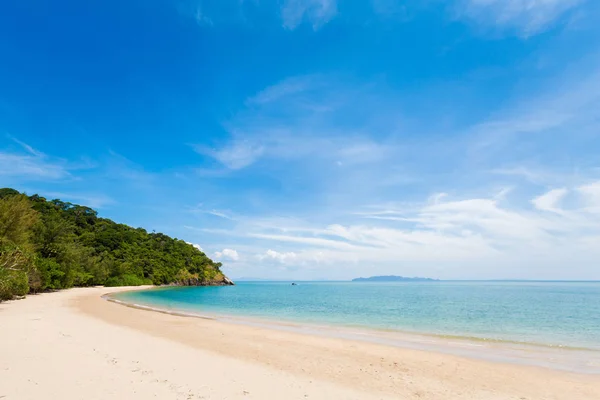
(318, 139)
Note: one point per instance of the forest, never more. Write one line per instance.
(49, 245)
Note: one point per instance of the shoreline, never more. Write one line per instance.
(556, 357)
(74, 344)
(269, 322)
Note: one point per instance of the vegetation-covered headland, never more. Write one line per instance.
(51, 244)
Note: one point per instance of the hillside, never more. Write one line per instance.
(51, 244)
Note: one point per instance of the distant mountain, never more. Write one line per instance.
(392, 278)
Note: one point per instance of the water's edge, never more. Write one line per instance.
(563, 358)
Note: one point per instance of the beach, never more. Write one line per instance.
(74, 344)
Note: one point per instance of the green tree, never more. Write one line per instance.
(17, 220)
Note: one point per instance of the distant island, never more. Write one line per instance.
(393, 278)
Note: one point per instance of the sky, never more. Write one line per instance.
(318, 139)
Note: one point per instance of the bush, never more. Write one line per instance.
(127, 280)
(13, 283)
(52, 273)
(20, 283)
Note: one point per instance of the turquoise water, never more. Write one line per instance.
(547, 313)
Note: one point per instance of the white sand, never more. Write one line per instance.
(74, 345)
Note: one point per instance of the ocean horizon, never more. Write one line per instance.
(243, 280)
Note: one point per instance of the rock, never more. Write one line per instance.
(227, 281)
(194, 281)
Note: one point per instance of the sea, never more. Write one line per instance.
(554, 324)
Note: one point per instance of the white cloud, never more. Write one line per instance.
(277, 256)
(528, 17)
(477, 237)
(550, 201)
(227, 254)
(316, 12)
(591, 196)
(196, 246)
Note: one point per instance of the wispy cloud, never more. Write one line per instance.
(533, 176)
(283, 89)
(527, 17)
(312, 241)
(316, 12)
(523, 17)
(294, 119)
(290, 13)
(27, 147)
(121, 167)
(200, 209)
(30, 167)
(201, 17)
(32, 164)
(390, 9)
(574, 101)
(220, 214)
(99, 200)
(531, 137)
(236, 155)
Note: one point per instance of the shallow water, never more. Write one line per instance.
(561, 314)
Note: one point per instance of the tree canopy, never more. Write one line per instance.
(51, 244)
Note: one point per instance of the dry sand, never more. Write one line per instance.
(74, 345)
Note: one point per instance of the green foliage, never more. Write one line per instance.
(51, 274)
(127, 280)
(13, 283)
(51, 245)
(17, 219)
(13, 272)
(6, 192)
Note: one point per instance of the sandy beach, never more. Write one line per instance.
(75, 345)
